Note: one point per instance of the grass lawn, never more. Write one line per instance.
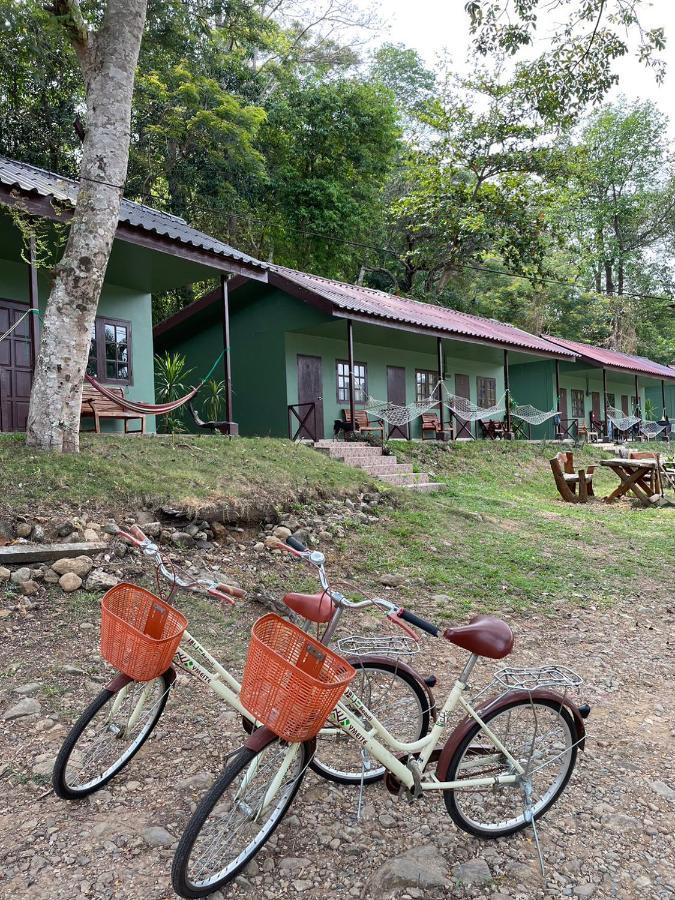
(496, 536)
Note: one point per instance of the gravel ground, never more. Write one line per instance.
(610, 835)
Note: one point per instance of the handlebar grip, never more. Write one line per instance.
(296, 544)
(137, 533)
(219, 595)
(420, 623)
(233, 591)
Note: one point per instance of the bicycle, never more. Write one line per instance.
(493, 768)
(114, 727)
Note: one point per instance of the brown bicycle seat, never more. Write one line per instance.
(315, 607)
(484, 635)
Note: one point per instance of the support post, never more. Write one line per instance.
(663, 397)
(227, 362)
(604, 401)
(350, 360)
(507, 392)
(637, 394)
(33, 321)
(441, 376)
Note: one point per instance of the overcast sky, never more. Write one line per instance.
(433, 26)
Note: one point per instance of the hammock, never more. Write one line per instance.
(651, 429)
(400, 414)
(469, 412)
(620, 420)
(152, 409)
(17, 323)
(532, 415)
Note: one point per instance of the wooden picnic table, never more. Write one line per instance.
(641, 476)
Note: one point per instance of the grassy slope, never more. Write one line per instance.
(497, 536)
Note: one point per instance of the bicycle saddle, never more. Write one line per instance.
(315, 607)
(484, 635)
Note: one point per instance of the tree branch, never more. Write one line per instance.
(73, 20)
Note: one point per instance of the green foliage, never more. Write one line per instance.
(171, 374)
(215, 398)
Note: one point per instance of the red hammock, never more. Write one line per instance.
(149, 409)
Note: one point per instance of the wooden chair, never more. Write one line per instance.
(655, 474)
(431, 425)
(573, 486)
(362, 421)
(95, 405)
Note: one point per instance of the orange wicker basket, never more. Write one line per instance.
(291, 682)
(139, 632)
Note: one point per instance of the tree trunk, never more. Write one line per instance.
(108, 60)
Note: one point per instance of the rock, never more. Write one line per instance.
(70, 582)
(445, 599)
(475, 871)
(38, 535)
(26, 689)
(293, 863)
(29, 587)
(662, 789)
(421, 867)
(156, 836)
(392, 580)
(182, 539)
(271, 542)
(387, 821)
(219, 530)
(584, 890)
(23, 529)
(64, 529)
(281, 532)
(5, 574)
(302, 535)
(44, 765)
(51, 577)
(18, 576)
(79, 565)
(152, 529)
(301, 885)
(111, 528)
(99, 580)
(29, 706)
(200, 781)
(90, 534)
(258, 547)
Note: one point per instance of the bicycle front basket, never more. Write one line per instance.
(291, 682)
(139, 632)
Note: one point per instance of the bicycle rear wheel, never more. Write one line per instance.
(108, 734)
(237, 816)
(541, 736)
(397, 700)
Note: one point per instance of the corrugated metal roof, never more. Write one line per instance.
(612, 359)
(378, 304)
(32, 180)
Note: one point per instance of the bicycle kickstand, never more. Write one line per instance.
(529, 817)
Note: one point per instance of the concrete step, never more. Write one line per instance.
(351, 458)
(402, 478)
(425, 487)
(382, 468)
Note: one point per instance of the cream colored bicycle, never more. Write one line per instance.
(500, 769)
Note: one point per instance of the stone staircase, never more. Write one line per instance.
(371, 460)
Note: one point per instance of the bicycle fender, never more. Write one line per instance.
(373, 658)
(121, 680)
(467, 723)
(263, 737)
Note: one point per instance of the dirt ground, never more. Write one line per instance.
(612, 834)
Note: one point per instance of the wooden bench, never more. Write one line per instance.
(98, 407)
(573, 486)
(362, 421)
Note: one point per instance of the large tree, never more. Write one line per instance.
(107, 52)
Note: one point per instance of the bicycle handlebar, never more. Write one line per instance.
(295, 544)
(418, 622)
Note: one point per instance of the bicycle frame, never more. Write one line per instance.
(353, 717)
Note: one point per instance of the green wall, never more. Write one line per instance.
(654, 394)
(117, 302)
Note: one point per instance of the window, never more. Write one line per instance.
(425, 382)
(610, 399)
(110, 350)
(578, 404)
(360, 381)
(486, 389)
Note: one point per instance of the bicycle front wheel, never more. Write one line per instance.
(110, 731)
(396, 699)
(237, 816)
(541, 736)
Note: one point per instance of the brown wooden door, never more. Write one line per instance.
(463, 389)
(16, 368)
(624, 404)
(396, 394)
(595, 403)
(563, 404)
(310, 390)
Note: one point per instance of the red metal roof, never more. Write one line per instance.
(612, 359)
(353, 298)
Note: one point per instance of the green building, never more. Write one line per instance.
(152, 252)
(294, 340)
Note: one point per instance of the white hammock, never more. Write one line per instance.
(620, 420)
(401, 414)
(532, 415)
(651, 429)
(469, 412)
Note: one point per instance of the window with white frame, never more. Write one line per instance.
(360, 374)
(425, 382)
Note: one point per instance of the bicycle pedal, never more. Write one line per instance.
(430, 680)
